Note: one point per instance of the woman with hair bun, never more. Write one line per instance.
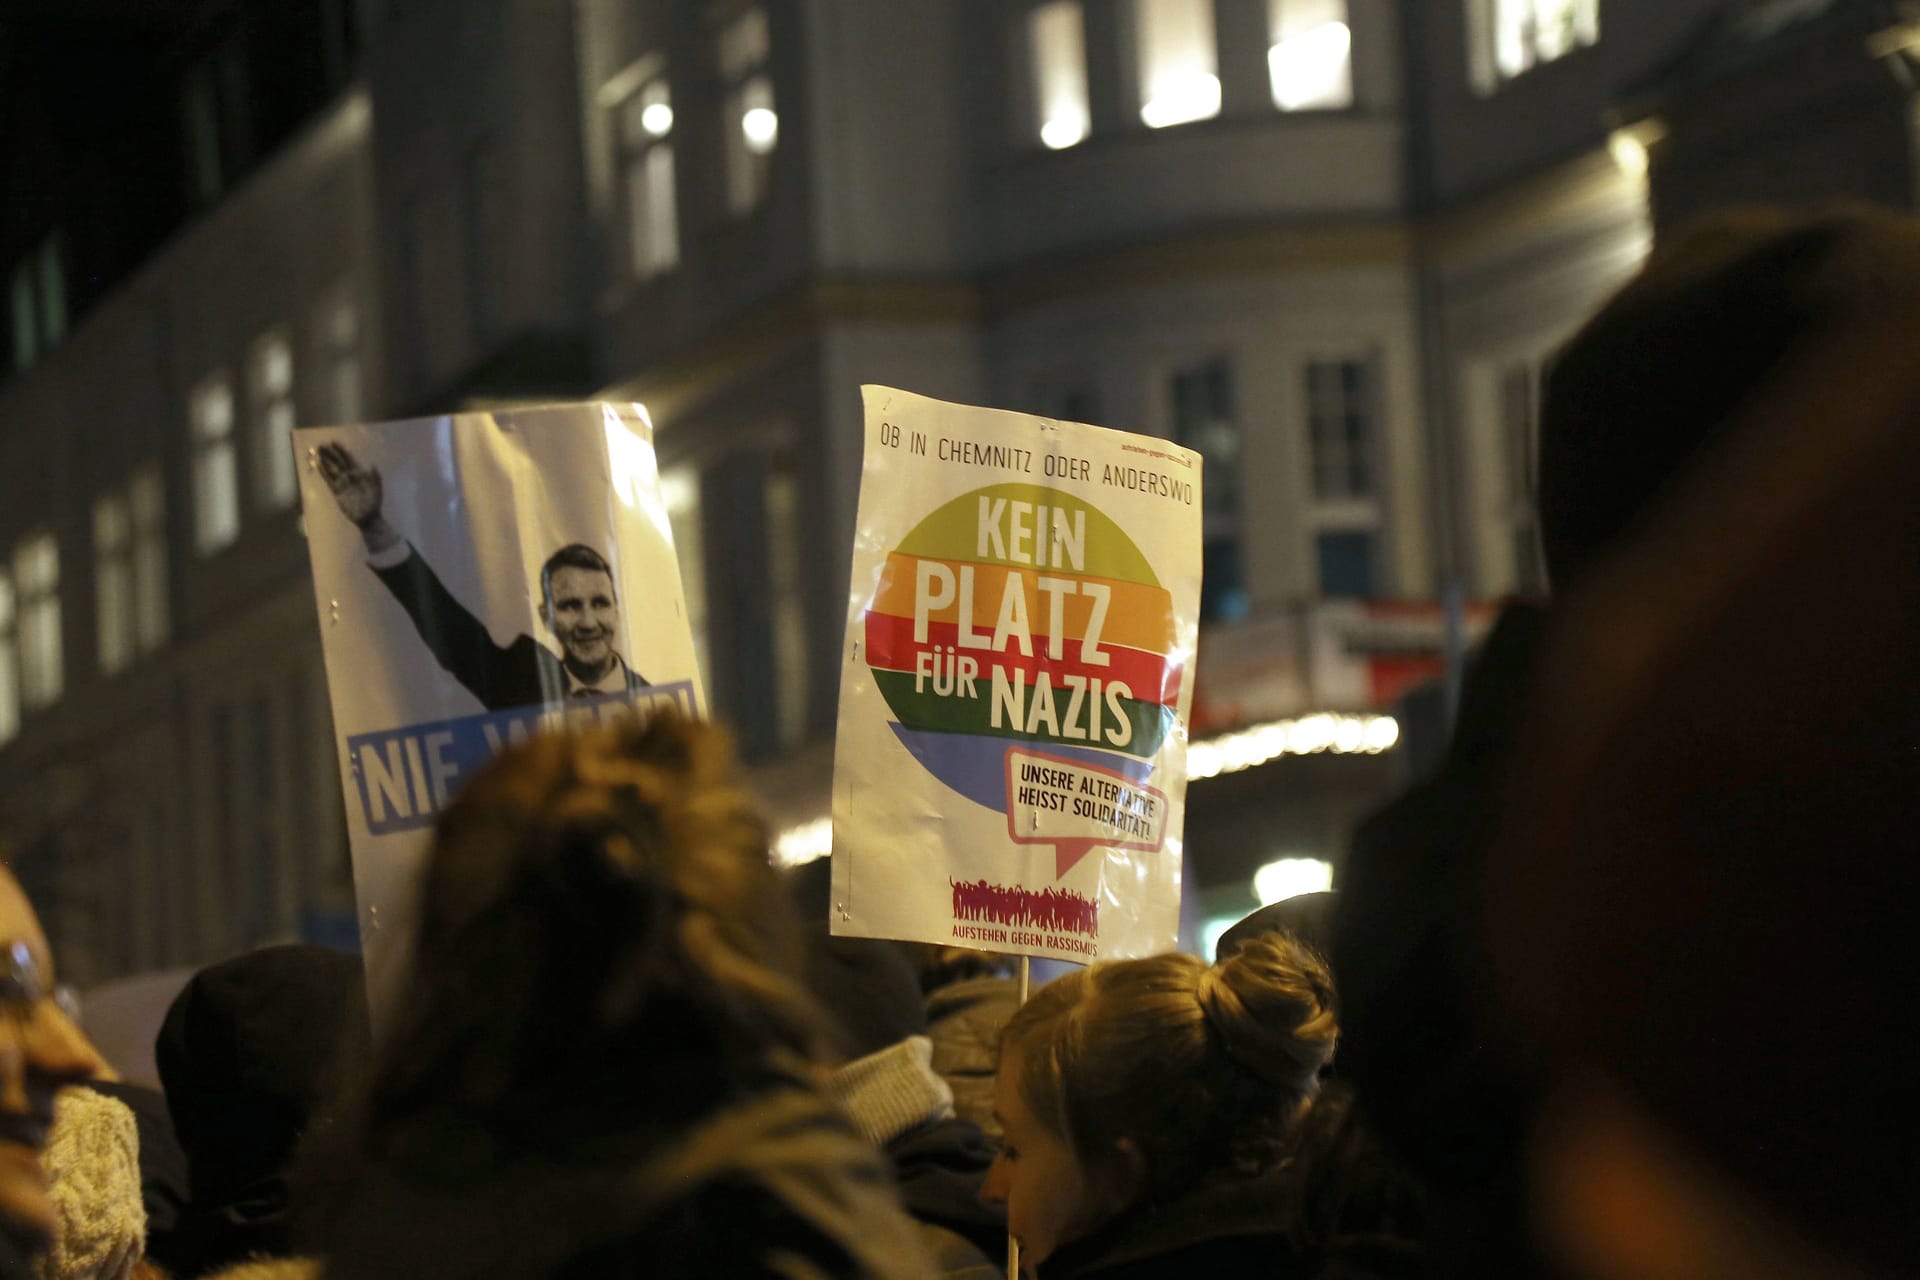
(1149, 1108)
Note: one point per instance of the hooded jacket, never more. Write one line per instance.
(964, 1019)
(778, 1185)
(1331, 1212)
(940, 1161)
(250, 1055)
(1442, 1085)
(1223, 1230)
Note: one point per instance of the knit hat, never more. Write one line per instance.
(92, 1160)
(1646, 387)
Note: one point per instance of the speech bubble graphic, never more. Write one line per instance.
(1077, 807)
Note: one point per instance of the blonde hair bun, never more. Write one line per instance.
(1271, 1003)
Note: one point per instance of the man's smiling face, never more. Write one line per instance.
(581, 610)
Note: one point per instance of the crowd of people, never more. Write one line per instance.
(1616, 992)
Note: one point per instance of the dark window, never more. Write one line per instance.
(1340, 423)
(1203, 420)
(1346, 564)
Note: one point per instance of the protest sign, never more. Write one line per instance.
(480, 577)
(1010, 770)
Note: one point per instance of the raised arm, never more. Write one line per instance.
(358, 492)
(499, 677)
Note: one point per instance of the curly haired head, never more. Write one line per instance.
(1201, 1069)
(597, 906)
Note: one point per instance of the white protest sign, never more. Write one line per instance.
(480, 577)
(1010, 770)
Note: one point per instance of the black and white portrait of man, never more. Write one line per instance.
(577, 601)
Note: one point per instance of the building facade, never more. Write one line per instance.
(1328, 243)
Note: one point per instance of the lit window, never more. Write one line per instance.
(147, 500)
(1179, 61)
(643, 126)
(340, 346)
(271, 414)
(216, 490)
(681, 490)
(113, 581)
(1512, 36)
(1204, 421)
(1056, 35)
(36, 568)
(1311, 58)
(1519, 433)
(1343, 430)
(1290, 878)
(26, 322)
(785, 537)
(750, 122)
(9, 663)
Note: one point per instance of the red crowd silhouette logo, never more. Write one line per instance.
(1056, 910)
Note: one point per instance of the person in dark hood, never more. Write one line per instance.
(1702, 902)
(251, 1056)
(603, 1064)
(1632, 404)
(1150, 1110)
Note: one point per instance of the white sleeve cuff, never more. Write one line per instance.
(392, 557)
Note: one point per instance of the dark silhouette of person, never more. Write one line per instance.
(577, 601)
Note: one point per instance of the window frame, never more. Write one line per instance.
(1348, 508)
(1074, 76)
(337, 326)
(276, 481)
(1223, 526)
(1487, 35)
(746, 84)
(1153, 85)
(215, 454)
(682, 491)
(1340, 94)
(152, 605)
(637, 149)
(38, 623)
(115, 629)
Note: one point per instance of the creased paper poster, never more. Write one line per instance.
(1010, 770)
(480, 577)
